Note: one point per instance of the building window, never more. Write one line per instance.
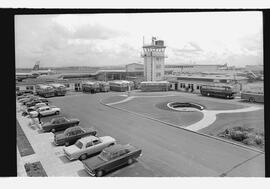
(198, 87)
(67, 85)
(29, 88)
(158, 74)
(184, 85)
(158, 66)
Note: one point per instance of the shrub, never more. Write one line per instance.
(248, 141)
(258, 139)
(237, 135)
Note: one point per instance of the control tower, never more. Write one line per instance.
(154, 58)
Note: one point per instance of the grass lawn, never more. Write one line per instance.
(253, 119)
(23, 144)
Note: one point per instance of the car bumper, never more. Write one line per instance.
(69, 156)
(89, 171)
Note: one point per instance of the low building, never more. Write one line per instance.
(177, 69)
(193, 82)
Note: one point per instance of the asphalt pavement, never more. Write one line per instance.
(167, 151)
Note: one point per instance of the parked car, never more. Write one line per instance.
(19, 93)
(111, 158)
(38, 105)
(72, 134)
(24, 96)
(88, 146)
(33, 102)
(27, 99)
(44, 100)
(59, 123)
(45, 111)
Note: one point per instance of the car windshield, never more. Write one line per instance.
(79, 144)
(104, 155)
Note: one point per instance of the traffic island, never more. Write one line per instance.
(23, 144)
(247, 136)
(35, 170)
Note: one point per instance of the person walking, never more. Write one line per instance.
(39, 118)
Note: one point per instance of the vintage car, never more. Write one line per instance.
(59, 123)
(72, 134)
(38, 105)
(111, 158)
(28, 99)
(45, 111)
(24, 96)
(33, 102)
(88, 146)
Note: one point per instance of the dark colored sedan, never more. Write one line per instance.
(110, 158)
(59, 123)
(72, 134)
(33, 102)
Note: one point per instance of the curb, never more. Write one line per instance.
(179, 127)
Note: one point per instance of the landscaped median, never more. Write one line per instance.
(23, 144)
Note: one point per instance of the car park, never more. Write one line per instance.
(88, 146)
(59, 124)
(45, 111)
(72, 134)
(111, 158)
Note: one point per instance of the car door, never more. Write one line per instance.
(97, 146)
(72, 136)
(121, 158)
(89, 148)
(45, 111)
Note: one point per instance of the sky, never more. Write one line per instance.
(234, 38)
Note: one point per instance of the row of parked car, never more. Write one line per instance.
(99, 155)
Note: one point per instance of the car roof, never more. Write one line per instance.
(88, 139)
(57, 118)
(43, 107)
(73, 128)
(116, 148)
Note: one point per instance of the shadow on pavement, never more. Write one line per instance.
(64, 159)
(83, 173)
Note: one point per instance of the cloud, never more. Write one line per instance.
(95, 32)
(189, 47)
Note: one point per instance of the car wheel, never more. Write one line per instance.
(251, 99)
(227, 96)
(57, 112)
(99, 173)
(130, 161)
(82, 157)
(66, 143)
(53, 130)
(208, 94)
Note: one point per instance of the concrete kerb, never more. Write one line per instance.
(179, 127)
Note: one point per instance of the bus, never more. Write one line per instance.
(103, 86)
(45, 90)
(90, 86)
(121, 85)
(224, 91)
(60, 89)
(151, 86)
(252, 96)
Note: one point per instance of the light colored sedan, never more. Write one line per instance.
(45, 111)
(88, 146)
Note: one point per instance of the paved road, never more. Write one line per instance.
(167, 151)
